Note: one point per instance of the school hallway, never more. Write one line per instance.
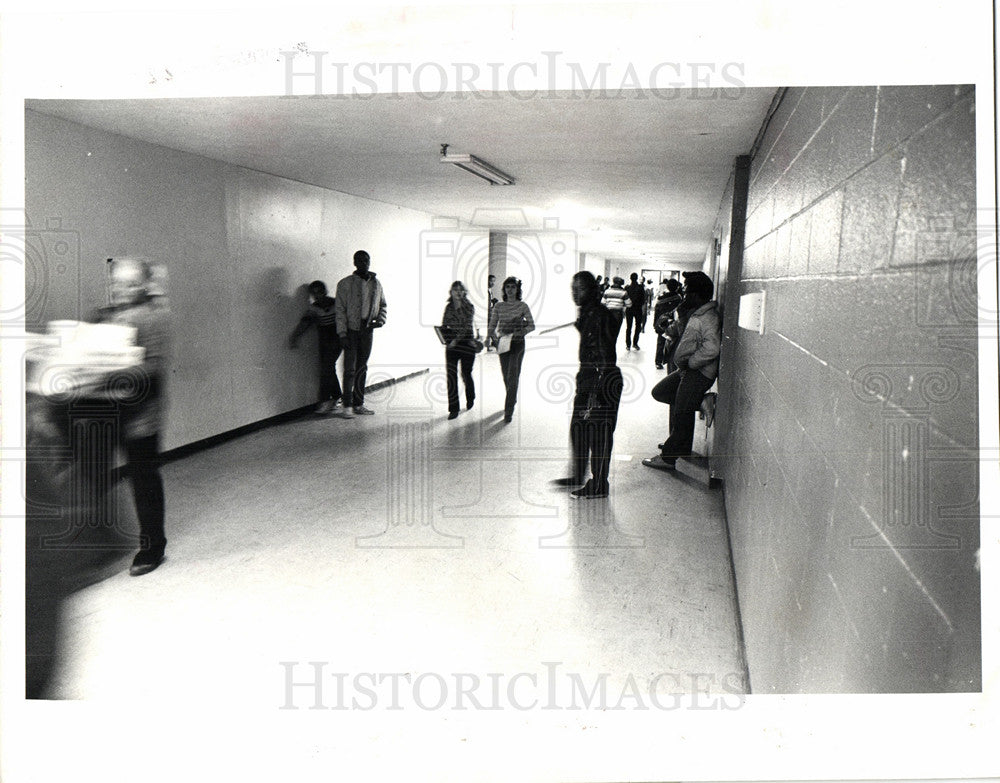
(401, 596)
(404, 542)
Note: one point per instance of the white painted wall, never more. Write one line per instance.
(240, 247)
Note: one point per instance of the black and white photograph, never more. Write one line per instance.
(499, 392)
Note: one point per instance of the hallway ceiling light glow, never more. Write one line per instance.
(474, 165)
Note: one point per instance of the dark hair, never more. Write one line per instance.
(699, 284)
(673, 285)
(591, 288)
(516, 282)
(633, 277)
(361, 255)
(317, 288)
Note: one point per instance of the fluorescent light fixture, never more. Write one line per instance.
(476, 166)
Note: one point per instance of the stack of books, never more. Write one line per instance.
(74, 355)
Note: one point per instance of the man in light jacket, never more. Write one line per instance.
(697, 360)
(360, 308)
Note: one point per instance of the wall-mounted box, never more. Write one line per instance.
(752, 311)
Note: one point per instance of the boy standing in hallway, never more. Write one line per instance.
(322, 313)
(634, 312)
(598, 392)
(360, 308)
(697, 360)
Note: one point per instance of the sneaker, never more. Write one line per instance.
(337, 405)
(589, 490)
(361, 410)
(324, 408)
(345, 413)
(660, 463)
(145, 561)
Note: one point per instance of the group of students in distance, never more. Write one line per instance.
(685, 318)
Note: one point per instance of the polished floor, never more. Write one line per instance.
(405, 543)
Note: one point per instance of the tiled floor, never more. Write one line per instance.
(407, 543)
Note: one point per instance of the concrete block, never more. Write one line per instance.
(937, 210)
(869, 217)
(798, 251)
(852, 124)
(904, 111)
(824, 238)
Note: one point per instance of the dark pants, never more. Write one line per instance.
(665, 352)
(510, 366)
(592, 426)
(631, 316)
(144, 460)
(683, 391)
(329, 385)
(357, 349)
(452, 357)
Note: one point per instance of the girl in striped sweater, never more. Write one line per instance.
(512, 318)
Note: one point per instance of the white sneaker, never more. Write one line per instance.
(345, 413)
(324, 407)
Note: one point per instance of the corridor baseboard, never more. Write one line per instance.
(281, 418)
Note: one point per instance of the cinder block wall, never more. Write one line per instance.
(850, 463)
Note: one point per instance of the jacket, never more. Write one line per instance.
(359, 296)
(636, 296)
(323, 313)
(665, 305)
(701, 342)
(142, 412)
(456, 323)
(598, 329)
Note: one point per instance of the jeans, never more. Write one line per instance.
(631, 316)
(357, 349)
(510, 366)
(661, 344)
(683, 391)
(452, 357)
(329, 385)
(592, 426)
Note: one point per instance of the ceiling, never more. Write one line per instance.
(639, 178)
